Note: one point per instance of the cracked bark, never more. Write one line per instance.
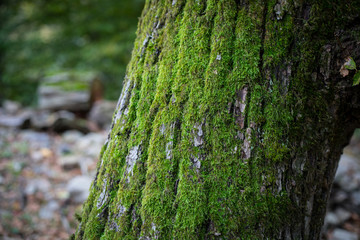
(241, 112)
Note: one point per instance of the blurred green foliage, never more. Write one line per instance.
(42, 37)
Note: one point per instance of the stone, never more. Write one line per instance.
(59, 121)
(38, 184)
(340, 234)
(69, 162)
(342, 214)
(41, 120)
(340, 196)
(18, 121)
(91, 144)
(63, 149)
(48, 211)
(347, 164)
(347, 175)
(78, 188)
(348, 183)
(101, 113)
(331, 219)
(67, 91)
(36, 156)
(62, 194)
(44, 169)
(355, 198)
(62, 125)
(36, 139)
(72, 136)
(11, 107)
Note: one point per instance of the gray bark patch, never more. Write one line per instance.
(162, 129)
(113, 225)
(123, 101)
(196, 162)
(103, 195)
(198, 138)
(131, 158)
(168, 149)
(247, 143)
(239, 108)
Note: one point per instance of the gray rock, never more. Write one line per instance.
(11, 107)
(340, 196)
(18, 121)
(342, 214)
(331, 219)
(348, 182)
(101, 113)
(78, 188)
(62, 125)
(355, 197)
(38, 184)
(68, 162)
(347, 164)
(44, 119)
(91, 144)
(44, 169)
(66, 91)
(36, 139)
(340, 234)
(36, 155)
(347, 174)
(64, 149)
(72, 136)
(41, 120)
(48, 211)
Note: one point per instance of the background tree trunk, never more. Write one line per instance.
(231, 122)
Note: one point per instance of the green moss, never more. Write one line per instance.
(70, 85)
(70, 81)
(193, 177)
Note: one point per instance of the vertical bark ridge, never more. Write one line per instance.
(272, 120)
(158, 193)
(228, 116)
(131, 223)
(219, 91)
(187, 88)
(123, 150)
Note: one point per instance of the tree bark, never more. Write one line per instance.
(231, 122)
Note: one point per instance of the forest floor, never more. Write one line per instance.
(45, 177)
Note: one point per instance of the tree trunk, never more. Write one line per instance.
(231, 122)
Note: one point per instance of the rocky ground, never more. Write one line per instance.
(342, 221)
(45, 176)
(47, 162)
(44, 179)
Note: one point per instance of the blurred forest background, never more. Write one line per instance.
(52, 124)
(40, 38)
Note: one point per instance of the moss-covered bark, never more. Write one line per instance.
(230, 124)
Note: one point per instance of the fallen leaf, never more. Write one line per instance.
(47, 153)
(356, 80)
(348, 65)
